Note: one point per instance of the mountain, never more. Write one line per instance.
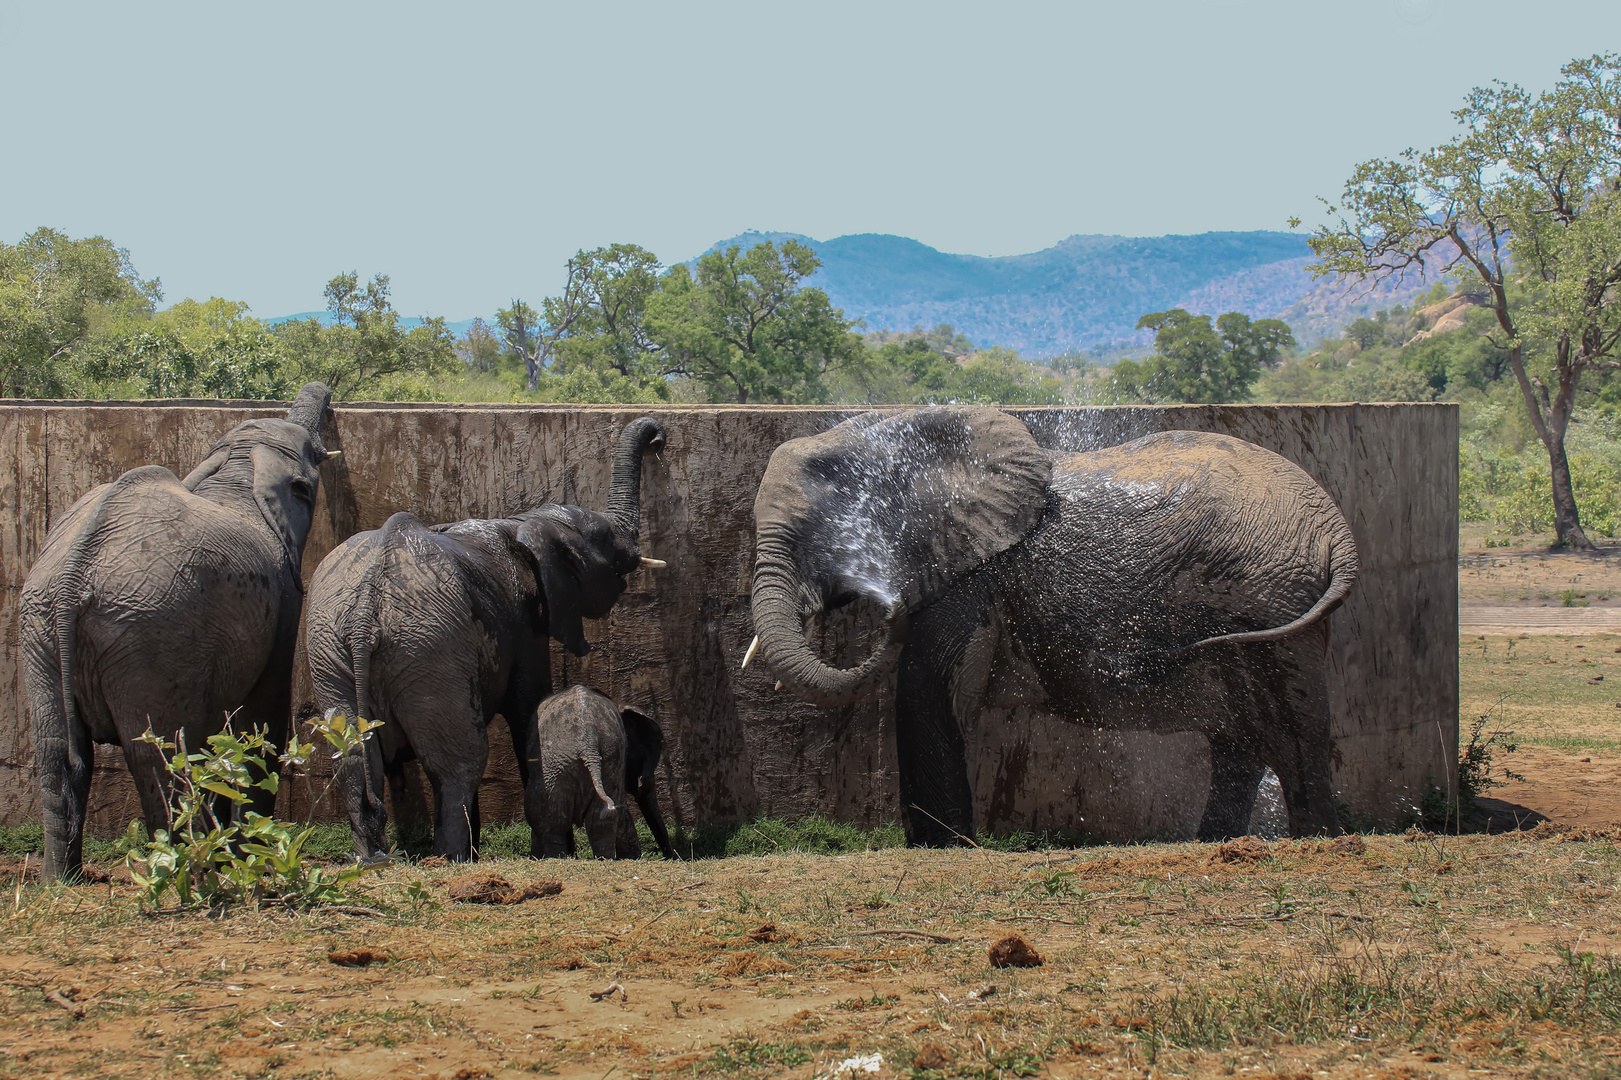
(1083, 293)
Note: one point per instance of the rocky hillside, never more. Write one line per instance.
(1084, 293)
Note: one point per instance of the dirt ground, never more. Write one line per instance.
(1393, 956)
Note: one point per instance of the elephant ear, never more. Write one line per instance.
(272, 491)
(644, 743)
(904, 505)
(560, 580)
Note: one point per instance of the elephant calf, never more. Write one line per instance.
(590, 752)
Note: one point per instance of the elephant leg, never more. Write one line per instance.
(627, 845)
(64, 761)
(453, 801)
(936, 797)
(360, 777)
(152, 786)
(269, 707)
(1235, 776)
(602, 828)
(648, 799)
(1292, 729)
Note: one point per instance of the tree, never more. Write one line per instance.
(53, 292)
(479, 348)
(1193, 361)
(365, 351)
(743, 326)
(1528, 194)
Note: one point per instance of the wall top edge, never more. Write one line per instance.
(213, 404)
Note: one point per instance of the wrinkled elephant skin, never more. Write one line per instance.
(164, 603)
(435, 630)
(1179, 582)
(589, 754)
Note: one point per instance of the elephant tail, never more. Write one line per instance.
(1343, 566)
(593, 766)
(365, 632)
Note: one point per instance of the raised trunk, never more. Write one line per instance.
(625, 491)
(310, 408)
(781, 605)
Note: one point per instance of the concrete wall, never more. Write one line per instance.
(673, 645)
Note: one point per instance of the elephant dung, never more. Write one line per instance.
(1244, 849)
(485, 887)
(1014, 951)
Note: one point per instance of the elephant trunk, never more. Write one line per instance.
(310, 408)
(781, 604)
(625, 491)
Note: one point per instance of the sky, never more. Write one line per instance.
(252, 151)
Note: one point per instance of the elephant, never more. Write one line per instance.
(589, 754)
(1180, 582)
(164, 603)
(433, 630)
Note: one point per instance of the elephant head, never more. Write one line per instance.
(893, 508)
(581, 556)
(276, 464)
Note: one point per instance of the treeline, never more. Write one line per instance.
(76, 319)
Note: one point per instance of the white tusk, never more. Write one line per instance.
(333, 454)
(778, 686)
(753, 645)
(654, 564)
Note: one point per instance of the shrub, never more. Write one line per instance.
(213, 853)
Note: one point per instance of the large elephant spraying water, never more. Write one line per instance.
(1178, 582)
(435, 630)
(165, 603)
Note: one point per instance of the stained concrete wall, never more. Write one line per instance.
(673, 644)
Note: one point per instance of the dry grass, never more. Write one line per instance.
(1435, 954)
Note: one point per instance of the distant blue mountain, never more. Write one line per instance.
(1083, 293)
(408, 321)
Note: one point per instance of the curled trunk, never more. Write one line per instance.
(625, 491)
(781, 603)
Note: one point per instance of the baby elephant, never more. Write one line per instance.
(591, 752)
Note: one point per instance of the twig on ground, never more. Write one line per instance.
(965, 839)
(609, 991)
(351, 909)
(56, 997)
(939, 939)
(651, 921)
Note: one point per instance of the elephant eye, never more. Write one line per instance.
(303, 489)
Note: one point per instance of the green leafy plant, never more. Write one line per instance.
(214, 851)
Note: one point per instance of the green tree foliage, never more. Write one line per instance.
(1195, 362)
(211, 350)
(745, 328)
(54, 294)
(364, 351)
(1526, 201)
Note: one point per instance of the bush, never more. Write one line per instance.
(212, 853)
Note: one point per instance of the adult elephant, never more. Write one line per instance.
(164, 603)
(433, 630)
(1178, 582)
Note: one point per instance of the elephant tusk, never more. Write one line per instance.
(753, 647)
(654, 564)
(330, 454)
(778, 686)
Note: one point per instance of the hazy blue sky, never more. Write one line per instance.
(252, 151)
